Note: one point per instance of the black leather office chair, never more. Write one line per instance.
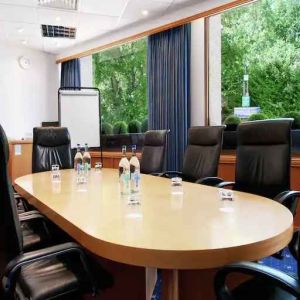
(33, 228)
(201, 158)
(51, 145)
(266, 284)
(41, 274)
(263, 161)
(21, 203)
(153, 153)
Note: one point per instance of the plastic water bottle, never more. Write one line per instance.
(77, 158)
(124, 175)
(135, 175)
(86, 158)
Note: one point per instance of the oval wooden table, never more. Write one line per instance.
(193, 231)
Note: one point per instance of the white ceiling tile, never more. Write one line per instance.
(167, 1)
(100, 7)
(33, 3)
(54, 45)
(135, 7)
(88, 21)
(57, 17)
(14, 13)
(88, 33)
(124, 22)
(20, 30)
(184, 3)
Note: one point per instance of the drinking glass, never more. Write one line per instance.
(176, 186)
(98, 166)
(55, 173)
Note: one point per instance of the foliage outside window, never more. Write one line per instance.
(266, 37)
(120, 75)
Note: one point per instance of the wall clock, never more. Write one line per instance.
(24, 62)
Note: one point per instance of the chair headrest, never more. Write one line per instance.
(155, 137)
(51, 136)
(265, 132)
(205, 135)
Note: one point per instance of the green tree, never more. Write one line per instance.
(266, 35)
(120, 75)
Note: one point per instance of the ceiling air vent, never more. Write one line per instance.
(58, 31)
(60, 4)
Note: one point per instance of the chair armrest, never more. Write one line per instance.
(13, 267)
(31, 216)
(18, 197)
(25, 217)
(168, 174)
(226, 184)
(278, 278)
(28, 213)
(212, 181)
(289, 200)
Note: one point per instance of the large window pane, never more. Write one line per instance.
(120, 74)
(262, 40)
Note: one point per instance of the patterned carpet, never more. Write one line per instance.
(287, 265)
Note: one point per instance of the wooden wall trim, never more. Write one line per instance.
(208, 13)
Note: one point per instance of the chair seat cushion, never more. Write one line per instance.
(257, 289)
(47, 278)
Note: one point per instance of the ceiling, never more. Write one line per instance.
(20, 20)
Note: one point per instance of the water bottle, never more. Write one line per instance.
(124, 175)
(77, 158)
(135, 175)
(86, 159)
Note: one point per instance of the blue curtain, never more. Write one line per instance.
(168, 70)
(70, 74)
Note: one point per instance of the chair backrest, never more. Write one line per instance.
(264, 157)
(201, 158)
(51, 145)
(11, 236)
(153, 153)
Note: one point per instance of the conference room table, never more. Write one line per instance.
(188, 236)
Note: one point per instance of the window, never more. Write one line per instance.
(260, 54)
(120, 75)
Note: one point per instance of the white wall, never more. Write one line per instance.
(215, 65)
(197, 73)
(86, 69)
(27, 97)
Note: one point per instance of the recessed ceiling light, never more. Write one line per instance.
(57, 18)
(20, 30)
(24, 42)
(145, 12)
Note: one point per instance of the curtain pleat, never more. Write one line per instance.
(70, 74)
(168, 69)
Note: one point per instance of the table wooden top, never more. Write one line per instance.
(193, 231)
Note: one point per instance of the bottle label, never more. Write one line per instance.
(135, 181)
(125, 182)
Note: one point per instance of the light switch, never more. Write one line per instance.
(18, 150)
